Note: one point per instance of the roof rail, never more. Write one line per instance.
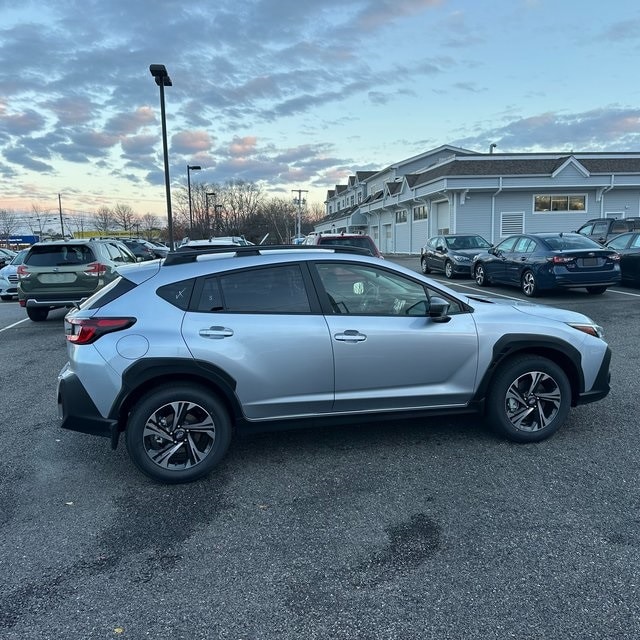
(185, 256)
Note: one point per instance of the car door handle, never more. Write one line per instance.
(350, 335)
(217, 333)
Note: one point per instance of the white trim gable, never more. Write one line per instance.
(571, 162)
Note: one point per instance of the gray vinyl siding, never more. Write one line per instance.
(489, 194)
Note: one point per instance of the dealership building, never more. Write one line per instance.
(455, 190)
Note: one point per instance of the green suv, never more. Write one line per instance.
(62, 274)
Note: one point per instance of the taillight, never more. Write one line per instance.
(23, 272)
(95, 269)
(560, 259)
(88, 330)
(615, 257)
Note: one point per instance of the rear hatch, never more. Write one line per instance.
(65, 270)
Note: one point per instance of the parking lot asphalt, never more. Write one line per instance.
(431, 529)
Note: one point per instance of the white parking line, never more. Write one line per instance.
(488, 293)
(15, 324)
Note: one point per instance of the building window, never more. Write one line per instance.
(359, 197)
(420, 213)
(555, 202)
(401, 216)
(353, 200)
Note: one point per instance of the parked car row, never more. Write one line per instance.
(535, 262)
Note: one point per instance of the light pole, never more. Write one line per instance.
(159, 72)
(190, 168)
(61, 223)
(299, 201)
(207, 195)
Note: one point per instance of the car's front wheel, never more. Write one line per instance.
(37, 314)
(448, 269)
(424, 266)
(529, 399)
(480, 275)
(178, 433)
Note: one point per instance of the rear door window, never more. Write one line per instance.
(278, 289)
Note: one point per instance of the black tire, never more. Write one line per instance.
(448, 269)
(529, 399)
(37, 314)
(529, 284)
(181, 452)
(596, 291)
(480, 275)
(424, 266)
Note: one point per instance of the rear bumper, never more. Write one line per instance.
(53, 301)
(76, 409)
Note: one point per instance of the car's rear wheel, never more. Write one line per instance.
(37, 314)
(424, 266)
(480, 275)
(448, 269)
(178, 433)
(529, 284)
(596, 291)
(529, 399)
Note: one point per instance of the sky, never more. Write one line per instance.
(293, 94)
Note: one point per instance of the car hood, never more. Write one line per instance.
(470, 253)
(532, 309)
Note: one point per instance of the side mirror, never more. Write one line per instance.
(439, 310)
(441, 248)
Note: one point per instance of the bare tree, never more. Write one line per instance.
(241, 201)
(279, 216)
(150, 224)
(38, 220)
(8, 224)
(124, 217)
(103, 220)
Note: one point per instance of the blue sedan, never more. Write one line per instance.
(539, 261)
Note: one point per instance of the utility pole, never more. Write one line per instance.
(60, 209)
(299, 201)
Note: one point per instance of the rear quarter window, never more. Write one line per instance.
(177, 293)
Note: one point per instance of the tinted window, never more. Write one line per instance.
(177, 293)
(619, 226)
(568, 242)
(59, 255)
(525, 245)
(600, 228)
(620, 242)
(277, 289)
(363, 242)
(508, 244)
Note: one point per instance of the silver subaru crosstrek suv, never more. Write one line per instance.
(178, 354)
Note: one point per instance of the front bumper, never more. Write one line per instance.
(601, 386)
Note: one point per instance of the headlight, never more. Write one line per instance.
(591, 328)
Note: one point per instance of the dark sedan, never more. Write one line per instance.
(539, 261)
(451, 253)
(628, 246)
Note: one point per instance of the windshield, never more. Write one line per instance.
(467, 242)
